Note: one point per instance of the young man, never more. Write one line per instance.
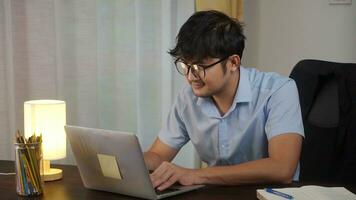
(244, 123)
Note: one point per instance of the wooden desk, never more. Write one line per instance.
(71, 187)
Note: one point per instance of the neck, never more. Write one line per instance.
(224, 99)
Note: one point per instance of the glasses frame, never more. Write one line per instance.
(197, 68)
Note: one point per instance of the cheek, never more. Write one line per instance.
(216, 72)
(214, 77)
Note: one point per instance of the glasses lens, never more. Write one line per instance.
(182, 68)
(198, 71)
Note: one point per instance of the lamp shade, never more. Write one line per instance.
(49, 118)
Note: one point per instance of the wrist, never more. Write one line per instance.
(198, 176)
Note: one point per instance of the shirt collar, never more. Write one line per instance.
(243, 93)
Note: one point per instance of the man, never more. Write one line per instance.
(244, 123)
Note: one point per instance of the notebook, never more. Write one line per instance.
(309, 192)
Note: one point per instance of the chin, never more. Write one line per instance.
(200, 92)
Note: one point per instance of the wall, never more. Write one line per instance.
(282, 32)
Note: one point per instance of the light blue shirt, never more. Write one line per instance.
(265, 105)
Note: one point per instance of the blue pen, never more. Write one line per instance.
(278, 193)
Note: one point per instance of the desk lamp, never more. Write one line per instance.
(47, 117)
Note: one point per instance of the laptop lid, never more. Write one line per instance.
(113, 161)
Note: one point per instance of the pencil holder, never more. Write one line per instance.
(28, 161)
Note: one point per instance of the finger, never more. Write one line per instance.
(161, 174)
(157, 173)
(164, 177)
(161, 168)
(168, 183)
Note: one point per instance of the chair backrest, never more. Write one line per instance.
(327, 93)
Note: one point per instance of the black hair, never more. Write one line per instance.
(209, 34)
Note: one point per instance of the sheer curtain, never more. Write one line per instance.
(106, 58)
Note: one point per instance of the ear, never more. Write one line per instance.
(235, 62)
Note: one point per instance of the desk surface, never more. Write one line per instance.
(71, 187)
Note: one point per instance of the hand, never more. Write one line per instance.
(167, 174)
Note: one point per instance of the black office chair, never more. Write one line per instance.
(327, 93)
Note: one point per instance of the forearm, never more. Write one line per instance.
(152, 160)
(260, 171)
(158, 153)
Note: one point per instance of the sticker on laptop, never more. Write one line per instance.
(109, 166)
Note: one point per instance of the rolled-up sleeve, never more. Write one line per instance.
(283, 111)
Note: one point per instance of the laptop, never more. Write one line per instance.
(113, 161)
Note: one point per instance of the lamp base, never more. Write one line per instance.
(52, 174)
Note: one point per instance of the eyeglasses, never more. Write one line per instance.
(197, 70)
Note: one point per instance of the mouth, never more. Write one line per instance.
(197, 85)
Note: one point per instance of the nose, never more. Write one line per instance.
(191, 76)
